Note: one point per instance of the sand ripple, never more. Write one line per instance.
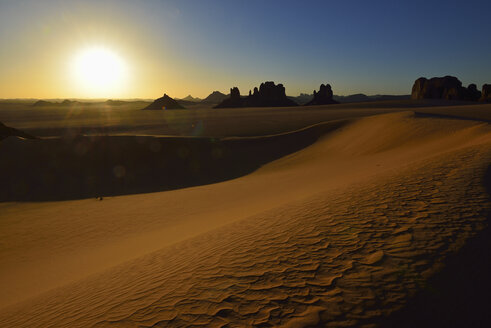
(341, 258)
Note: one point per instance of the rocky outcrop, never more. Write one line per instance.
(42, 103)
(164, 103)
(268, 95)
(323, 97)
(6, 132)
(191, 98)
(471, 93)
(419, 88)
(233, 101)
(302, 99)
(215, 97)
(66, 102)
(447, 87)
(111, 102)
(486, 93)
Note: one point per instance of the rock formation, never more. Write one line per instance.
(67, 102)
(42, 103)
(302, 99)
(215, 97)
(164, 102)
(447, 87)
(111, 102)
(486, 93)
(471, 93)
(6, 132)
(268, 95)
(323, 97)
(233, 101)
(191, 98)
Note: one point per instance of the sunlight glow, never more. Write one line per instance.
(99, 72)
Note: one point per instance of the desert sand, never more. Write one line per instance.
(309, 216)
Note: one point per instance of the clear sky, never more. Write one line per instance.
(194, 47)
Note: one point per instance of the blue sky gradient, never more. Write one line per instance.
(374, 47)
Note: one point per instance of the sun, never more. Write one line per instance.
(99, 72)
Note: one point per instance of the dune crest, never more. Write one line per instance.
(328, 235)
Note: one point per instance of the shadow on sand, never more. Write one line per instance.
(84, 167)
(459, 295)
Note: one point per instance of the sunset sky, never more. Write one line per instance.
(194, 47)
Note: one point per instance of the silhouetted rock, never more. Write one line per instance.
(323, 97)
(448, 88)
(42, 103)
(67, 102)
(486, 93)
(111, 102)
(164, 102)
(6, 132)
(268, 95)
(471, 93)
(419, 86)
(191, 98)
(235, 93)
(233, 101)
(357, 97)
(302, 99)
(215, 97)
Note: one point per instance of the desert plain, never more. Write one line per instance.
(368, 214)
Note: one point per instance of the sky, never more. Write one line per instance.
(195, 47)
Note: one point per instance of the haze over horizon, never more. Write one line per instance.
(192, 47)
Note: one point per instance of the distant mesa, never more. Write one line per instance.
(66, 102)
(303, 98)
(357, 97)
(323, 97)
(486, 93)
(215, 97)
(6, 132)
(268, 95)
(111, 102)
(75, 103)
(447, 88)
(164, 102)
(360, 97)
(42, 103)
(191, 98)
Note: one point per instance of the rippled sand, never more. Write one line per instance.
(340, 233)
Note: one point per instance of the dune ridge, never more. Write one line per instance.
(95, 166)
(331, 234)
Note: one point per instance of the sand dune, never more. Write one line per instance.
(94, 166)
(339, 233)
